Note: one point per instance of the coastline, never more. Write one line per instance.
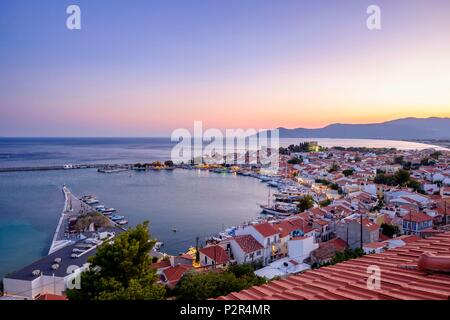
(443, 143)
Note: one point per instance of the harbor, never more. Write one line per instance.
(74, 209)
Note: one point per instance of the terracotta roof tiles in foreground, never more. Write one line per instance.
(400, 278)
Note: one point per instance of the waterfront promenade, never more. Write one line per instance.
(73, 207)
(58, 167)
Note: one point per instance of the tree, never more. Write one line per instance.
(424, 161)
(334, 167)
(325, 203)
(436, 155)
(168, 163)
(414, 184)
(399, 160)
(348, 172)
(205, 285)
(402, 177)
(121, 270)
(295, 160)
(305, 203)
(389, 230)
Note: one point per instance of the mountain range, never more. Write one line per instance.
(399, 129)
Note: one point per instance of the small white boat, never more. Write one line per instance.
(91, 201)
(122, 222)
(279, 210)
(158, 245)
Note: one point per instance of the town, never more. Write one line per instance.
(325, 206)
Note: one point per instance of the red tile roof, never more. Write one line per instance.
(160, 265)
(338, 244)
(248, 243)
(265, 229)
(375, 245)
(174, 274)
(400, 278)
(49, 296)
(407, 238)
(216, 253)
(417, 217)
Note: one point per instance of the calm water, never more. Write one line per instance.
(196, 203)
(16, 152)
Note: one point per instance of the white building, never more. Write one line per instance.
(246, 249)
(266, 235)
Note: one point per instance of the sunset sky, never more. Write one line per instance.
(147, 67)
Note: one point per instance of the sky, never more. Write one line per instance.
(148, 67)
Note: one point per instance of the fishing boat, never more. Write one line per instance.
(109, 210)
(273, 183)
(117, 217)
(279, 209)
(91, 201)
(112, 170)
(122, 222)
(158, 245)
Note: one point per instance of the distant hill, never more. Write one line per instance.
(404, 129)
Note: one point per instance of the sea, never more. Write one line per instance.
(195, 203)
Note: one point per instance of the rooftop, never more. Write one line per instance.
(216, 253)
(400, 278)
(417, 217)
(248, 243)
(265, 229)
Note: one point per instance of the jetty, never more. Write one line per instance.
(58, 167)
(73, 207)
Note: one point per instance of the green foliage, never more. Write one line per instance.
(325, 203)
(341, 256)
(348, 172)
(295, 160)
(390, 230)
(399, 160)
(120, 270)
(322, 181)
(436, 155)
(168, 163)
(301, 147)
(334, 167)
(347, 254)
(414, 184)
(84, 221)
(401, 177)
(334, 186)
(205, 285)
(305, 203)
